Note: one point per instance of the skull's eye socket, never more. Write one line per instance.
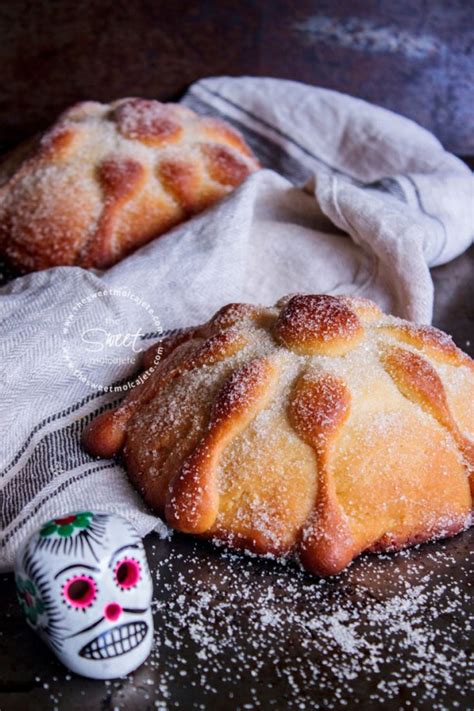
(80, 591)
(127, 573)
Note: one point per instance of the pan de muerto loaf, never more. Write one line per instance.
(107, 178)
(318, 429)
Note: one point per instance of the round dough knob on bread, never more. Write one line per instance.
(317, 429)
(107, 178)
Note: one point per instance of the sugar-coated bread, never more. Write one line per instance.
(107, 178)
(317, 429)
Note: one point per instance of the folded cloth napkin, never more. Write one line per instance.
(354, 199)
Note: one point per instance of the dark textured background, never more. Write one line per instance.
(412, 56)
(415, 57)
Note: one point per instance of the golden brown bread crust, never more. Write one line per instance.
(319, 428)
(107, 178)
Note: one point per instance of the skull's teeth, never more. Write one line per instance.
(115, 642)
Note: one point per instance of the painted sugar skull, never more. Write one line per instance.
(84, 586)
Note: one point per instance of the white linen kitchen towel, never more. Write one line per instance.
(354, 200)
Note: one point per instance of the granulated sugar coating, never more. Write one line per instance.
(239, 632)
(315, 429)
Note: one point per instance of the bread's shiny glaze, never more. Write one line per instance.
(319, 428)
(107, 178)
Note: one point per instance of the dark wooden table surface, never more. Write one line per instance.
(236, 632)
